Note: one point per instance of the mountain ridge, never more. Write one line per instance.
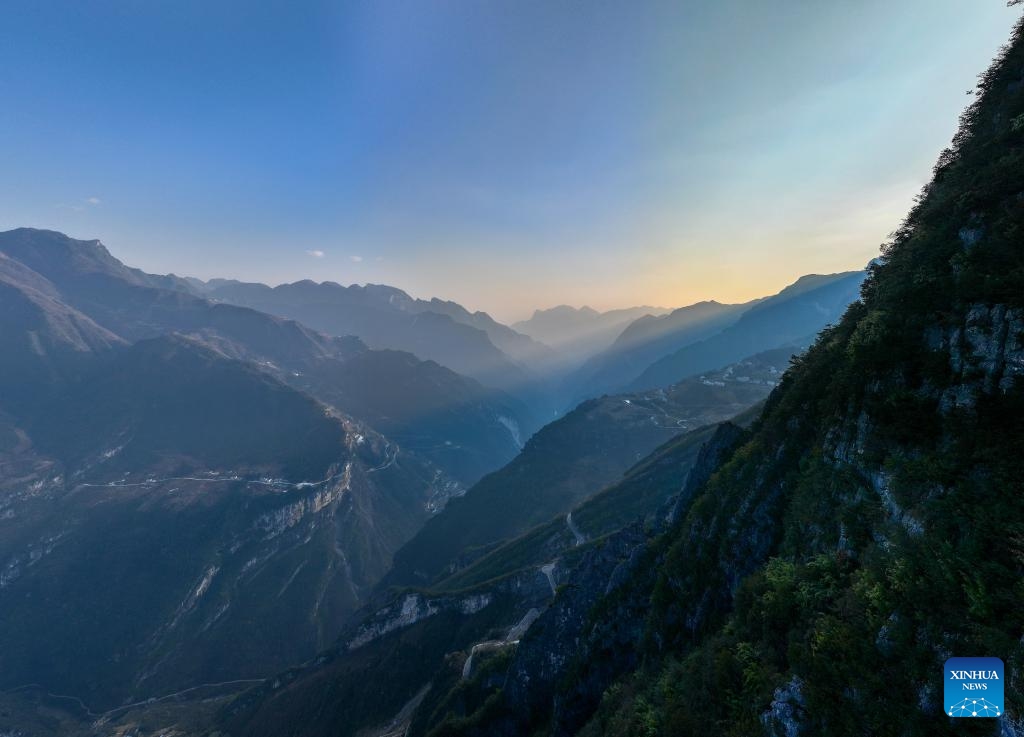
(799, 310)
(472, 344)
(125, 302)
(582, 332)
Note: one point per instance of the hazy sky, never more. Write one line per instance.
(508, 155)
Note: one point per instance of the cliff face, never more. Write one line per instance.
(868, 527)
(547, 652)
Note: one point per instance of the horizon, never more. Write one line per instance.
(367, 150)
(470, 308)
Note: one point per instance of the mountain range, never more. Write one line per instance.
(560, 356)
(274, 475)
(472, 344)
(578, 454)
(236, 452)
(797, 313)
(234, 509)
(579, 333)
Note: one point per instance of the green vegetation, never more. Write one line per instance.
(883, 528)
(641, 493)
(872, 523)
(174, 404)
(560, 467)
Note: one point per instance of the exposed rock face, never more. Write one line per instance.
(1011, 727)
(970, 236)
(986, 353)
(417, 634)
(547, 652)
(783, 718)
(224, 553)
(712, 453)
(274, 523)
(411, 609)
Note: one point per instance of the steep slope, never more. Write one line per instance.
(867, 527)
(85, 279)
(64, 259)
(574, 457)
(169, 403)
(383, 663)
(425, 408)
(203, 519)
(175, 518)
(134, 305)
(797, 312)
(646, 492)
(45, 342)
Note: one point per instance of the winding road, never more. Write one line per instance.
(389, 462)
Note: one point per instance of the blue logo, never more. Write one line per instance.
(974, 687)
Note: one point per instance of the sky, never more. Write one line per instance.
(509, 155)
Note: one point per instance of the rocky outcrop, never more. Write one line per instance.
(409, 610)
(274, 523)
(785, 715)
(727, 436)
(559, 637)
(986, 353)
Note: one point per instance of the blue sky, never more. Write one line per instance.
(509, 155)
